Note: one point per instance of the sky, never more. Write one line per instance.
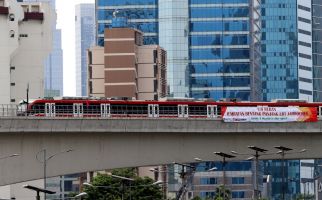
(66, 21)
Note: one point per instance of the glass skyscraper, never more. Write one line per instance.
(287, 50)
(212, 46)
(85, 38)
(223, 48)
(317, 49)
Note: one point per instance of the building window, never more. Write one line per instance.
(12, 84)
(90, 72)
(208, 181)
(204, 195)
(90, 87)
(238, 180)
(90, 58)
(155, 56)
(12, 100)
(23, 35)
(238, 194)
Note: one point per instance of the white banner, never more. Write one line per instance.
(269, 114)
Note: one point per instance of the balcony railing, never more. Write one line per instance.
(4, 10)
(34, 16)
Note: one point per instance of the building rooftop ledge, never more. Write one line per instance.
(4, 10)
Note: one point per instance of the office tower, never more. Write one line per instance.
(54, 62)
(127, 68)
(239, 179)
(26, 33)
(212, 46)
(290, 70)
(85, 38)
(54, 83)
(317, 49)
(287, 63)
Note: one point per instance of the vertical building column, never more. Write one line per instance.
(255, 50)
(305, 63)
(174, 38)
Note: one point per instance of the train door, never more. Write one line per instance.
(211, 111)
(320, 112)
(153, 110)
(78, 110)
(50, 110)
(105, 110)
(183, 111)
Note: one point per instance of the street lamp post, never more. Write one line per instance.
(258, 153)
(224, 162)
(45, 159)
(283, 151)
(183, 175)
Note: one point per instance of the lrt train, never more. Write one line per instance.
(164, 108)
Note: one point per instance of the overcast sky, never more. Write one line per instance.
(66, 22)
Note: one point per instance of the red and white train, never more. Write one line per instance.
(167, 108)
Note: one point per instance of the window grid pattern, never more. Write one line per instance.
(219, 30)
(279, 50)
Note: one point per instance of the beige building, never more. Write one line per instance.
(127, 68)
(25, 43)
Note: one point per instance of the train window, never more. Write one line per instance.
(118, 109)
(197, 111)
(92, 110)
(320, 112)
(63, 109)
(168, 110)
(37, 109)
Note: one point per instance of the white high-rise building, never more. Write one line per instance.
(85, 38)
(25, 43)
(54, 63)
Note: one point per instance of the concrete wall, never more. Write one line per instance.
(100, 144)
(96, 73)
(24, 46)
(8, 45)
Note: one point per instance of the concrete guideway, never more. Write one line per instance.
(113, 143)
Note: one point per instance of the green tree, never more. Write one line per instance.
(222, 193)
(114, 188)
(197, 198)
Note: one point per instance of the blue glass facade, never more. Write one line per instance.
(279, 50)
(208, 42)
(292, 178)
(220, 42)
(141, 14)
(317, 49)
(239, 176)
(85, 38)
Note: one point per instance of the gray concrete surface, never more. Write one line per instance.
(113, 143)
